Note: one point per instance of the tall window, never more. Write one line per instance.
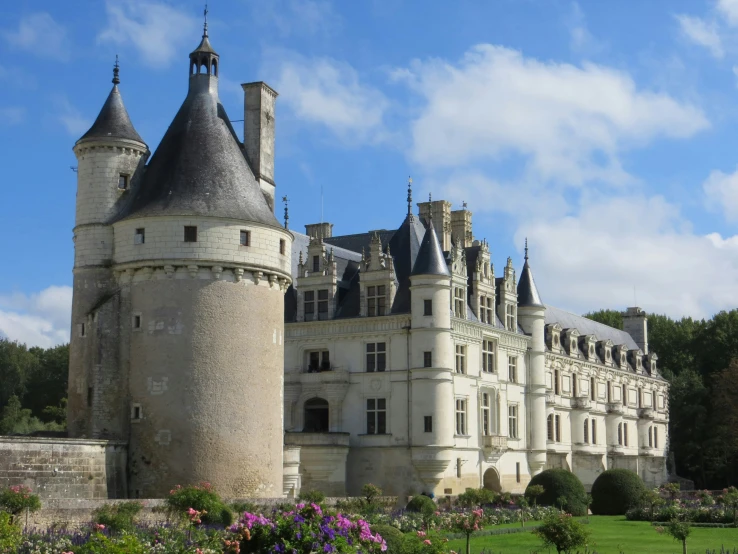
(639, 400)
(557, 422)
(122, 182)
(512, 369)
(460, 416)
(282, 246)
(323, 304)
(655, 437)
(550, 427)
(428, 359)
(375, 300)
(428, 424)
(427, 307)
(486, 313)
(486, 415)
(625, 395)
(575, 385)
(459, 304)
(190, 233)
(245, 238)
(316, 416)
(512, 421)
(488, 356)
(625, 434)
(594, 431)
(309, 305)
(460, 358)
(376, 356)
(586, 431)
(557, 380)
(510, 317)
(318, 360)
(609, 391)
(650, 437)
(316, 264)
(620, 434)
(592, 388)
(376, 416)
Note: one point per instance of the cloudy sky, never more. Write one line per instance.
(605, 132)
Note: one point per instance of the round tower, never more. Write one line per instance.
(109, 156)
(432, 363)
(204, 264)
(531, 317)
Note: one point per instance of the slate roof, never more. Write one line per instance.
(113, 121)
(430, 259)
(585, 326)
(199, 167)
(527, 290)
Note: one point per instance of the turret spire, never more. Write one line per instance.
(116, 70)
(409, 196)
(527, 291)
(526, 249)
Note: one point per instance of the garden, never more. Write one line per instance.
(552, 516)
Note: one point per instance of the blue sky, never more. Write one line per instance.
(605, 132)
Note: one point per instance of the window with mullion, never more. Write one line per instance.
(460, 416)
(488, 356)
(512, 369)
(323, 304)
(459, 304)
(375, 300)
(512, 423)
(309, 305)
(486, 415)
(376, 416)
(376, 356)
(485, 310)
(460, 358)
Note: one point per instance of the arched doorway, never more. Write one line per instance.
(491, 480)
(316, 416)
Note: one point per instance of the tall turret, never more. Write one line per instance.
(531, 313)
(109, 156)
(431, 362)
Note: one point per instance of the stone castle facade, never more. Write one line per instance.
(221, 346)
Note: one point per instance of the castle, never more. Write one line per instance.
(219, 345)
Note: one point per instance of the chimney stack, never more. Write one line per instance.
(259, 101)
(635, 324)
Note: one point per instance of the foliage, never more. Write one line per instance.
(16, 420)
(102, 544)
(561, 488)
(533, 492)
(678, 530)
(611, 318)
(314, 496)
(474, 498)
(18, 498)
(304, 530)
(467, 522)
(10, 534)
(371, 492)
(615, 491)
(421, 504)
(651, 498)
(201, 498)
(391, 535)
(562, 532)
(117, 517)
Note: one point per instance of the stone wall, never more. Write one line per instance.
(64, 468)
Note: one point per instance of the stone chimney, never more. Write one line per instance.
(259, 101)
(441, 212)
(319, 230)
(635, 324)
(461, 227)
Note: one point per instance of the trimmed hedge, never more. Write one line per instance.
(561, 484)
(391, 535)
(616, 491)
(421, 504)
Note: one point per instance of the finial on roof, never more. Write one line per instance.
(526, 249)
(116, 70)
(463, 204)
(409, 196)
(205, 26)
(430, 197)
(286, 211)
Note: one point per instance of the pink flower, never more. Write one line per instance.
(426, 541)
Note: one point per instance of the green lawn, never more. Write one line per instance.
(610, 535)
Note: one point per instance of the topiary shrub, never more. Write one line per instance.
(421, 504)
(616, 491)
(562, 489)
(391, 535)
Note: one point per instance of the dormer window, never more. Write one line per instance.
(375, 300)
(316, 264)
(573, 347)
(485, 309)
(459, 304)
(510, 317)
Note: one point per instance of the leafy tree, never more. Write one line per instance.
(612, 318)
(562, 532)
(533, 492)
(679, 531)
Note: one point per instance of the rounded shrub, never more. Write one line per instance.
(202, 498)
(615, 491)
(561, 489)
(421, 504)
(391, 535)
(314, 496)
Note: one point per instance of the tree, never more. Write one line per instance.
(651, 498)
(467, 523)
(611, 318)
(533, 492)
(562, 532)
(679, 531)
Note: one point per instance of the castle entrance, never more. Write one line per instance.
(491, 480)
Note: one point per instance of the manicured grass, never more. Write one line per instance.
(610, 535)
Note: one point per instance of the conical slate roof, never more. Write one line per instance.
(527, 291)
(430, 260)
(199, 167)
(113, 120)
(405, 246)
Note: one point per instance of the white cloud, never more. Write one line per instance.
(721, 190)
(728, 9)
(38, 319)
(331, 94)
(702, 32)
(40, 34)
(158, 31)
(297, 17)
(70, 117)
(12, 115)
(596, 258)
(568, 122)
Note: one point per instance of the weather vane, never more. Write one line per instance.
(116, 69)
(409, 195)
(286, 211)
(205, 27)
(526, 249)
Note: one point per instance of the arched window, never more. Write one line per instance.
(316, 416)
(215, 68)
(586, 431)
(550, 426)
(192, 68)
